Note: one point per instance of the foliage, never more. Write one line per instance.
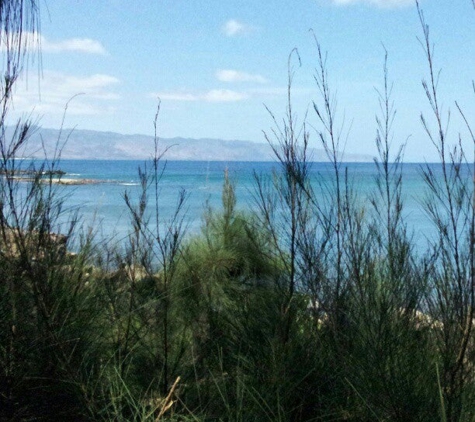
(316, 306)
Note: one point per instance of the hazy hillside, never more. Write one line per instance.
(88, 144)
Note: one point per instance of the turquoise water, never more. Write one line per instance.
(102, 205)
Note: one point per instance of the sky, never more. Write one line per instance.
(218, 68)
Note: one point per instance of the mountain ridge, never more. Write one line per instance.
(108, 145)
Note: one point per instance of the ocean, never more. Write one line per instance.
(101, 205)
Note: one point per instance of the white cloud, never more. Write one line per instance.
(228, 75)
(38, 42)
(378, 3)
(224, 95)
(212, 96)
(233, 28)
(56, 89)
(176, 96)
(80, 45)
(227, 95)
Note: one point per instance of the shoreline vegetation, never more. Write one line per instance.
(308, 308)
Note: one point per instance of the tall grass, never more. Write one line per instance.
(316, 306)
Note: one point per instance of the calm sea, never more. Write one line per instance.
(102, 205)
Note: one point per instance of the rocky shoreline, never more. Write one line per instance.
(48, 176)
(69, 181)
(60, 180)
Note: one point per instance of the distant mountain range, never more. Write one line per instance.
(89, 144)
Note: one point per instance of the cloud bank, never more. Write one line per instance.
(37, 42)
(56, 89)
(233, 28)
(229, 75)
(80, 45)
(212, 96)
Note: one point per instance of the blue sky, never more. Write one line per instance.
(215, 65)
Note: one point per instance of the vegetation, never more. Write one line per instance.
(310, 308)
